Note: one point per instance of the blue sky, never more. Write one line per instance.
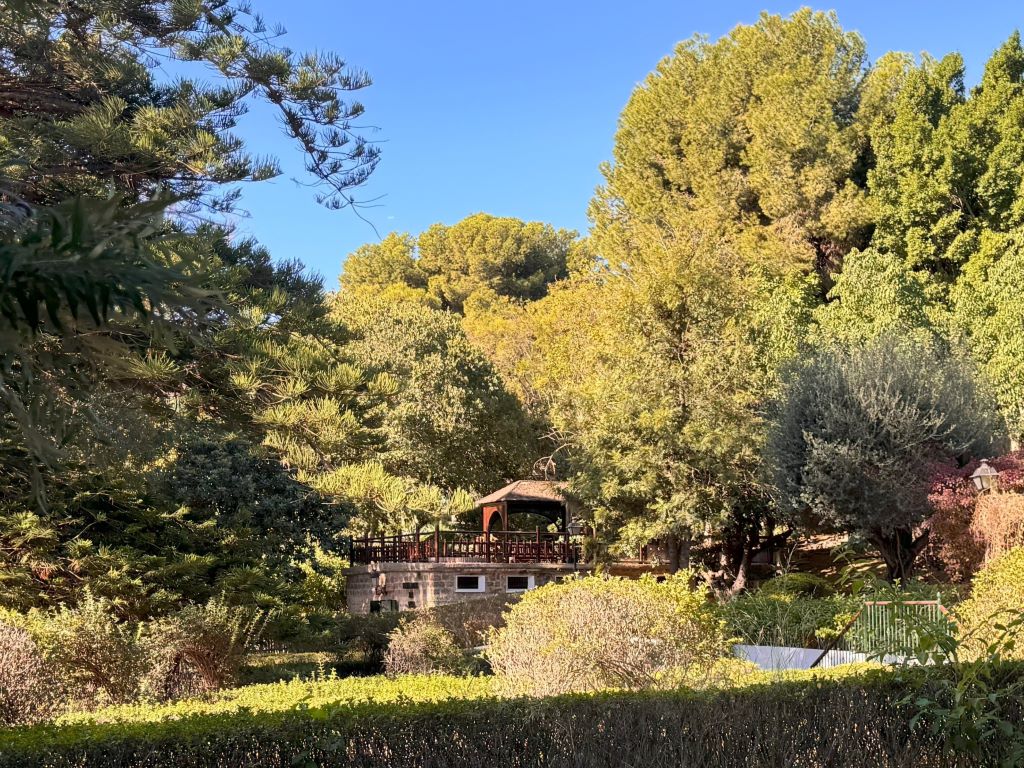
(510, 107)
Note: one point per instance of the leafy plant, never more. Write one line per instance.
(29, 692)
(997, 595)
(596, 633)
(972, 704)
(421, 646)
(198, 649)
(95, 657)
(777, 617)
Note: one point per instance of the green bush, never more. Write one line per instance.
(843, 718)
(421, 646)
(799, 584)
(198, 649)
(597, 633)
(996, 599)
(28, 690)
(767, 617)
(471, 621)
(95, 658)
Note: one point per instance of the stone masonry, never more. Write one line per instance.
(424, 585)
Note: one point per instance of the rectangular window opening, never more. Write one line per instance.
(519, 583)
(469, 584)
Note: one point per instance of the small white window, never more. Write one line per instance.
(469, 583)
(519, 583)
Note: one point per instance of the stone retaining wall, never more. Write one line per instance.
(424, 585)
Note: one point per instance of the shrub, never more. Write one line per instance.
(999, 522)
(844, 718)
(996, 599)
(778, 617)
(596, 633)
(28, 692)
(968, 528)
(198, 649)
(95, 658)
(421, 646)
(800, 584)
(365, 636)
(471, 621)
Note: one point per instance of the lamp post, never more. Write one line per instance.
(985, 477)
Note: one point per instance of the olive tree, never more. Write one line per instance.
(858, 431)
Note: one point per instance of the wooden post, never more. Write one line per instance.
(538, 543)
(437, 542)
(566, 556)
(416, 543)
(487, 546)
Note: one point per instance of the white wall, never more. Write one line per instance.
(776, 657)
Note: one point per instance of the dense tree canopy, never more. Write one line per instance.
(481, 253)
(859, 433)
(781, 222)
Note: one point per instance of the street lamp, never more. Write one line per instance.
(575, 528)
(985, 477)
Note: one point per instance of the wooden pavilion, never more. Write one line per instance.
(497, 539)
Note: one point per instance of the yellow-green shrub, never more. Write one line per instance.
(996, 599)
(795, 583)
(780, 617)
(97, 659)
(845, 718)
(471, 621)
(198, 649)
(421, 646)
(28, 690)
(597, 633)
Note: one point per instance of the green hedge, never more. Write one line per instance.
(824, 719)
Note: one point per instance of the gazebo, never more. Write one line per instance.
(524, 539)
(543, 498)
(497, 540)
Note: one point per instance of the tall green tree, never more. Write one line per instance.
(81, 111)
(480, 254)
(115, 309)
(736, 188)
(947, 189)
(858, 433)
(761, 131)
(451, 421)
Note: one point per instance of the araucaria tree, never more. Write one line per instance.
(858, 433)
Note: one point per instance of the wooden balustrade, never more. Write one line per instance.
(467, 546)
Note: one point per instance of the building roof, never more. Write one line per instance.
(526, 490)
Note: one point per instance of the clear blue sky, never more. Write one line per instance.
(509, 106)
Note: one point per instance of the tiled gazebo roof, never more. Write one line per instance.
(526, 490)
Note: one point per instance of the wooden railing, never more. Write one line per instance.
(467, 546)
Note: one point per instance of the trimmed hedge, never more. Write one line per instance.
(848, 718)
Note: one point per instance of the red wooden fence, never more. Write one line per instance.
(469, 546)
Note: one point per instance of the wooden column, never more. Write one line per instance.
(437, 542)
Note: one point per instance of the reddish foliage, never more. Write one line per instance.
(959, 536)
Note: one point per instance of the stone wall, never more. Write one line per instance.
(424, 585)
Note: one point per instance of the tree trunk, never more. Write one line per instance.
(672, 552)
(899, 549)
(677, 551)
(685, 544)
(742, 572)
